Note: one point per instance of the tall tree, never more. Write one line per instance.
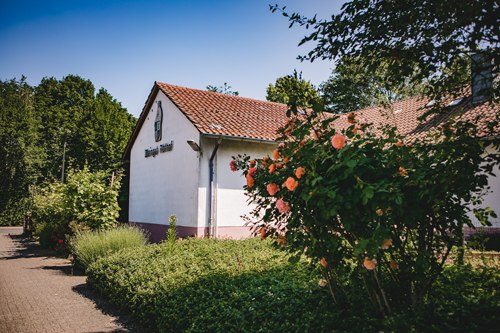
(293, 89)
(63, 105)
(224, 89)
(20, 156)
(420, 40)
(352, 86)
(107, 128)
(93, 128)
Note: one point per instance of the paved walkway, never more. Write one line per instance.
(39, 294)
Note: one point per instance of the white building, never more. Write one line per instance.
(168, 176)
(180, 150)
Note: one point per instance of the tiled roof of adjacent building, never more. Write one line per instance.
(405, 114)
(219, 114)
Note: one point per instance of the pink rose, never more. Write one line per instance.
(233, 166)
(283, 206)
(272, 189)
(299, 172)
(291, 184)
(338, 141)
(370, 264)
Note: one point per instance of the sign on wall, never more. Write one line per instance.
(158, 122)
(164, 147)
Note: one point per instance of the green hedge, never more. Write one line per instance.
(248, 286)
(214, 286)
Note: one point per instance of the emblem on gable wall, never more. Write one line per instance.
(158, 122)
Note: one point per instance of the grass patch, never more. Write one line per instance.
(88, 247)
(248, 286)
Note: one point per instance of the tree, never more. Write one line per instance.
(352, 86)
(62, 106)
(364, 205)
(58, 117)
(20, 157)
(95, 128)
(293, 89)
(416, 40)
(224, 89)
(106, 130)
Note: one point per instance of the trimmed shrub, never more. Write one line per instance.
(88, 247)
(214, 286)
(248, 286)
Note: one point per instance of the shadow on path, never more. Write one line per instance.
(50, 261)
(124, 317)
(26, 248)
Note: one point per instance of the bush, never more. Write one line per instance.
(248, 286)
(88, 200)
(214, 286)
(91, 198)
(365, 195)
(47, 235)
(88, 247)
(14, 212)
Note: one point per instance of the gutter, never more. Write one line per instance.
(211, 189)
(237, 138)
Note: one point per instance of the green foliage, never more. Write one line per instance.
(91, 198)
(88, 200)
(35, 125)
(248, 286)
(19, 155)
(464, 300)
(49, 234)
(418, 41)
(88, 247)
(224, 89)
(362, 196)
(213, 286)
(352, 87)
(15, 211)
(171, 232)
(95, 126)
(51, 220)
(292, 89)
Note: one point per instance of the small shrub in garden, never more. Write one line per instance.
(215, 286)
(365, 204)
(88, 247)
(171, 232)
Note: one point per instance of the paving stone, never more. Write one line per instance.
(39, 294)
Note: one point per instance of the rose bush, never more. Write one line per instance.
(368, 205)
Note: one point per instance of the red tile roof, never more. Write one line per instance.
(405, 114)
(219, 114)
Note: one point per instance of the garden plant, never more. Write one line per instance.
(368, 205)
(86, 201)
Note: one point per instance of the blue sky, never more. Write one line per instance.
(124, 46)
